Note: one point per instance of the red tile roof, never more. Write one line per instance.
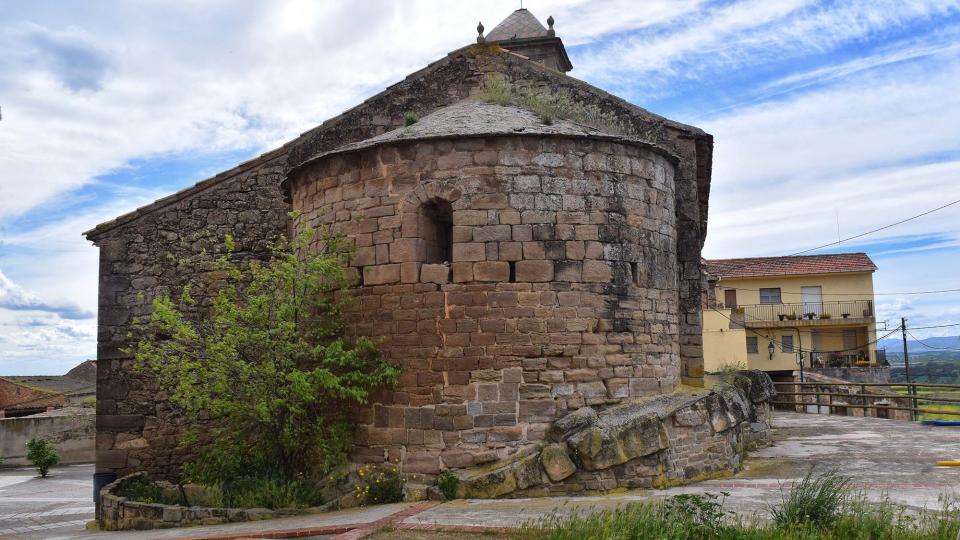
(790, 266)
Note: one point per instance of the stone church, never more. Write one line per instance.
(518, 268)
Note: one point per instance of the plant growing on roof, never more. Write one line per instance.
(270, 366)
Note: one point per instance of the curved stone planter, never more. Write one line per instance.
(119, 513)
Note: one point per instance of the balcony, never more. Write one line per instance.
(805, 313)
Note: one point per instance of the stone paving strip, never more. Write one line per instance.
(76, 523)
(48, 513)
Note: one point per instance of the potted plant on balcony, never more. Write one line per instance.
(845, 315)
(782, 316)
(824, 315)
(792, 316)
(810, 315)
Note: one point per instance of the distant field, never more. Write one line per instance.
(941, 408)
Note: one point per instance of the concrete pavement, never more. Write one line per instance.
(885, 458)
(34, 507)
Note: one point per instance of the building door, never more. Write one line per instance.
(816, 345)
(812, 298)
(730, 298)
(850, 345)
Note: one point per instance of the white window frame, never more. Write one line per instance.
(767, 290)
(756, 345)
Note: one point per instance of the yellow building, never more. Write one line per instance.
(771, 313)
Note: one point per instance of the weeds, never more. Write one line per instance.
(818, 500)
(728, 372)
(448, 484)
(822, 507)
(550, 106)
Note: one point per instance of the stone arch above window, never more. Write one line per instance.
(430, 207)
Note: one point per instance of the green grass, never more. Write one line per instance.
(939, 410)
(821, 507)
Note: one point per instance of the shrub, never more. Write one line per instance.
(703, 514)
(409, 119)
(269, 373)
(728, 372)
(143, 489)
(272, 493)
(42, 454)
(448, 484)
(817, 500)
(380, 485)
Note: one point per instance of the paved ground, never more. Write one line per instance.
(885, 457)
(33, 507)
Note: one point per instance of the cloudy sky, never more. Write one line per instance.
(826, 115)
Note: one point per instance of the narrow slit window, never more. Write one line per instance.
(436, 230)
(635, 273)
(513, 272)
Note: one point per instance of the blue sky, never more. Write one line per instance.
(822, 111)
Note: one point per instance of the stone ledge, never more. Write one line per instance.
(668, 440)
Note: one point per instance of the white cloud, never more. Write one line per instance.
(93, 89)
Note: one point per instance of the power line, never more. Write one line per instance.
(878, 229)
(861, 235)
(934, 326)
(915, 338)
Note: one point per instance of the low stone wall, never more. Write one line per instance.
(117, 513)
(879, 374)
(847, 399)
(71, 431)
(668, 440)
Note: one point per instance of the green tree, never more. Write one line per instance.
(268, 371)
(42, 454)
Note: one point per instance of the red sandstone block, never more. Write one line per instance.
(491, 271)
(534, 271)
(490, 201)
(596, 271)
(470, 217)
(473, 251)
(509, 217)
(568, 270)
(511, 251)
(462, 272)
(435, 273)
(381, 274)
(504, 434)
(534, 250)
(409, 272)
(421, 462)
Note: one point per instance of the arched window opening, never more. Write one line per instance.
(436, 230)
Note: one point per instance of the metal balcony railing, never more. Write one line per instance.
(842, 309)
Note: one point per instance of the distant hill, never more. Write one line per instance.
(934, 348)
(936, 360)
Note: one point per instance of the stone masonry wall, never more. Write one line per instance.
(562, 291)
(158, 254)
(154, 250)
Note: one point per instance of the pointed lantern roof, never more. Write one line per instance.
(520, 24)
(523, 34)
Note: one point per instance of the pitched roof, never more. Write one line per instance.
(790, 266)
(518, 25)
(54, 384)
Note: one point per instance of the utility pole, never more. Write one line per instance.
(906, 365)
